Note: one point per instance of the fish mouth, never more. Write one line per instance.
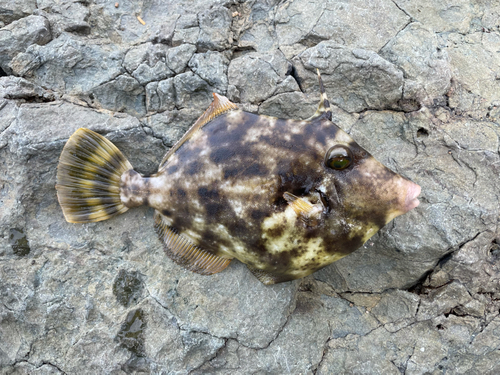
(412, 193)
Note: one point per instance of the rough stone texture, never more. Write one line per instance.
(414, 82)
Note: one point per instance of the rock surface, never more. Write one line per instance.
(415, 83)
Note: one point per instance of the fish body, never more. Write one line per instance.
(285, 197)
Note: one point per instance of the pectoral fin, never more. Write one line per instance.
(308, 212)
(186, 254)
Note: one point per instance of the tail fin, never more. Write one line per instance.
(88, 178)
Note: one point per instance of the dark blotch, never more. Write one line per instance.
(258, 214)
(214, 209)
(19, 242)
(255, 170)
(181, 193)
(221, 154)
(276, 231)
(205, 193)
(194, 168)
(128, 287)
(172, 169)
(495, 250)
(131, 333)
(230, 172)
(166, 213)
(422, 132)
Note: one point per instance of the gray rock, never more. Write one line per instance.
(19, 35)
(426, 65)
(355, 79)
(165, 32)
(22, 89)
(356, 23)
(12, 10)
(160, 96)
(123, 94)
(472, 60)
(177, 58)
(66, 15)
(185, 36)
(136, 56)
(192, 91)
(60, 64)
(212, 67)
(294, 105)
(415, 83)
(170, 126)
(441, 16)
(253, 77)
(215, 29)
(145, 73)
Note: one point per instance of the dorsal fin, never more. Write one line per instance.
(309, 213)
(219, 105)
(324, 104)
(185, 253)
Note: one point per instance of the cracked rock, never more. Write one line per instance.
(253, 77)
(123, 94)
(414, 83)
(12, 10)
(212, 67)
(177, 58)
(355, 23)
(354, 79)
(418, 53)
(215, 29)
(19, 35)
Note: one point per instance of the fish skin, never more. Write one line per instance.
(223, 190)
(269, 192)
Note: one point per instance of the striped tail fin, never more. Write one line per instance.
(88, 178)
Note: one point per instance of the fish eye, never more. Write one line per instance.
(338, 157)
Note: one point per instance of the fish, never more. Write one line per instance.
(286, 197)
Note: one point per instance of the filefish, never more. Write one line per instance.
(285, 197)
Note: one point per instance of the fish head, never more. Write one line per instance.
(360, 194)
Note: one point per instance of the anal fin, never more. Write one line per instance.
(186, 254)
(264, 277)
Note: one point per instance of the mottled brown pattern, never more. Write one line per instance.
(243, 186)
(223, 189)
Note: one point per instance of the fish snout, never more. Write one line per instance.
(412, 192)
